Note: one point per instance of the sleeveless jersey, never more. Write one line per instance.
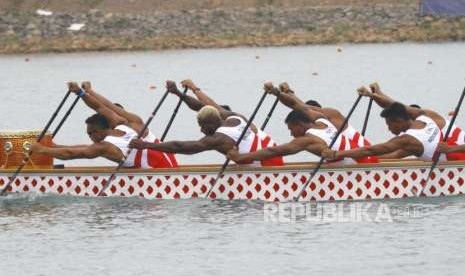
(251, 142)
(145, 158)
(429, 137)
(356, 141)
(327, 134)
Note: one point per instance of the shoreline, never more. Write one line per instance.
(121, 44)
(28, 33)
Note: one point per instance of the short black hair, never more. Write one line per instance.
(99, 121)
(225, 106)
(297, 117)
(395, 111)
(313, 103)
(415, 106)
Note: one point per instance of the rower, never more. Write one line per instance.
(222, 129)
(456, 137)
(418, 137)
(110, 129)
(287, 96)
(312, 132)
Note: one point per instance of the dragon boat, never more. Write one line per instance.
(387, 180)
(381, 181)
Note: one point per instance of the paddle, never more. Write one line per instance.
(174, 114)
(339, 131)
(367, 116)
(41, 136)
(140, 134)
(449, 128)
(273, 107)
(249, 122)
(66, 116)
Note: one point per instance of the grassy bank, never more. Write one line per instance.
(142, 6)
(178, 24)
(426, 32)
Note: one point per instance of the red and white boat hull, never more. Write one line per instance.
(382, 181)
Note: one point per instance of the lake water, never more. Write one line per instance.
(50, 235)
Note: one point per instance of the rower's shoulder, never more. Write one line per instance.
(233, 119)
(331, 111)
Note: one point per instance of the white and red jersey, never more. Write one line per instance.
(357, 140)
(429, 137)
(145, 158)
(456, 137)
(251, 142)
(327, 135)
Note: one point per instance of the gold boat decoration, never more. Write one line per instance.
(17, 145)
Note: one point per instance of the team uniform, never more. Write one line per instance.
(356, 141)
(430, 136)
(327, 135)
(251, 142)
(456, 137)
(144, 158)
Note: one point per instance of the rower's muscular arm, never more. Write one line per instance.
(206, 100)
(113, 118)
(398, 154)
(191, 102)
(379, 97)
(329, 112)
(183, 147)
(71, 152)
(131, 117)
(292, 101)
(412, 111)
(287, 97)
(445, 148)
(391, 146)
(436, 117)
(65, 146)
(293, 147)
(199, 94)
(376, 94)
(384, 101)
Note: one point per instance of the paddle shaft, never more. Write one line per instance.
(339, 131)
(367, 116)
(268, 117)
(41, 136)
(140, 134)
(249, 122)
(174, 115)
(66, 116)
(449, 129)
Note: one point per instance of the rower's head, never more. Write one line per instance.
(298, 123)
(98, 127)
(313, 103)
(397, 118)
(209, 119)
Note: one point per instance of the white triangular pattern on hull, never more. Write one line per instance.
(327, 185)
